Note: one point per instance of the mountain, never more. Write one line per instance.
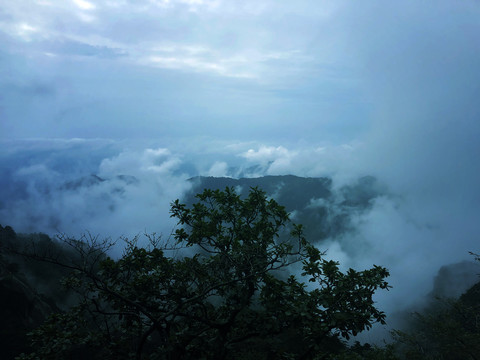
(325, 212)
(453, 280)
(30, 290)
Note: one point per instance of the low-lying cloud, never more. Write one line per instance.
(342, 90)
(120, 195)
(127, 190)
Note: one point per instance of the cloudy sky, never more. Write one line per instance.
(278, 72)
(167, 89)
(237, 70)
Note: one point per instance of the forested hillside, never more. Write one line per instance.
(226, 286)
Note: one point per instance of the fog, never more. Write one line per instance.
(103, 120)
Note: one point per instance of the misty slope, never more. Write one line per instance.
(29, 292)
(452, 280)
(329, 215)
(61, 203)
(359, 223)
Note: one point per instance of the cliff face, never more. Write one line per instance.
(453, 280)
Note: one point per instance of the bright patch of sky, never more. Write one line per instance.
(84, 5)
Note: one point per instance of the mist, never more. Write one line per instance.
(102, 124)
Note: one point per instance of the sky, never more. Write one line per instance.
(168, 89)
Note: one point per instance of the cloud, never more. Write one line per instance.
(156, 161)
(133, 27)
(306, 160)
(36, 88)
(26, 31)
(218, 169)
(84, 5)
(124, 188)
(265, 153)
(247, 88)
(115, 188)
(232, 66)
(121, 195)
(68, 47)
(418, 76)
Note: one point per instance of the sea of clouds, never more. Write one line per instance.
(416, 74)
(113, 189)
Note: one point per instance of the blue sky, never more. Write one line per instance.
(168, 89)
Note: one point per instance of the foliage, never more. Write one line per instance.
(222, 290)
(365, 352)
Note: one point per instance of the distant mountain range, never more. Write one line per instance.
(325, 210)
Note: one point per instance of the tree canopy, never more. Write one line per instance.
(238, 280)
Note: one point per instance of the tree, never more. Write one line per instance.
(224, 289)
